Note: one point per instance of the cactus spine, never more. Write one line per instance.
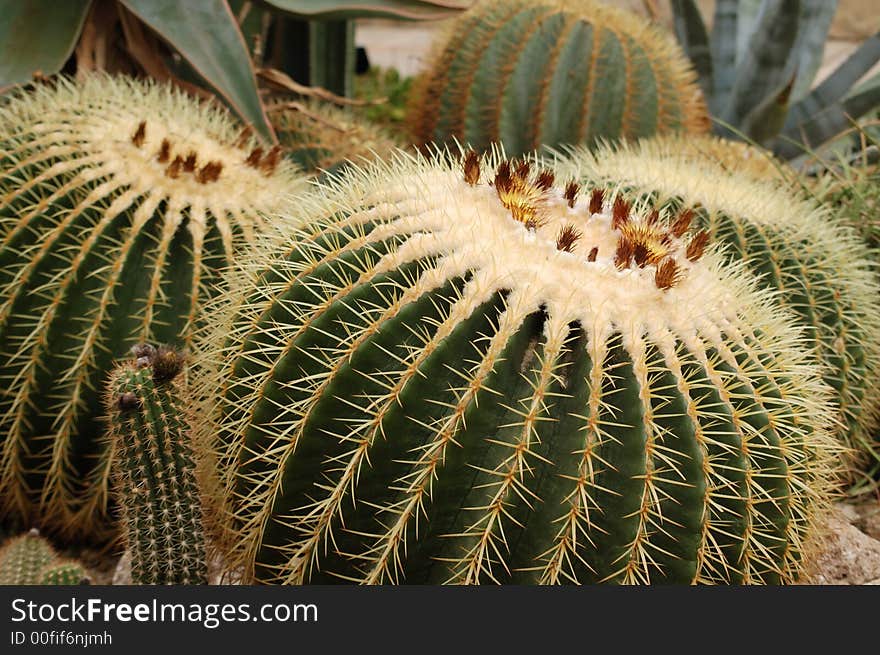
(160, 503)
(527, 73)
(821, 268)
(478, 374)
(30, 560)
(119, 202)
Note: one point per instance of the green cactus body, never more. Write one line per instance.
(119, 203)
(821, 268)
(480, 376)
(320, 136)
(158, 496)
(528, 73)
(64, 573)
(23, 558)
(30, 560)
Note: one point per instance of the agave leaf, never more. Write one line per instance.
(829, 123)
(748, 13)
(37, 36)
(399, 9)
(206, 34)
(693, 37)
(809, 49)
(763, 123)
(870, 83)
(765, 66)
(837, 85)
(723, 47)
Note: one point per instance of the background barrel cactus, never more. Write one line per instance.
(821, 267)
(119, 202)
(528, 73)
(320, 136)
(483, 374)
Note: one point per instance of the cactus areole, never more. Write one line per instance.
(119, 203)
(478, 373)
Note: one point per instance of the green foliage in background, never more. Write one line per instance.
(386, 92)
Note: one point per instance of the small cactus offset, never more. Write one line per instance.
(30, 560)
(528, 73)
(158, 496)
(120, 201)
(486, 373)
(821, 268)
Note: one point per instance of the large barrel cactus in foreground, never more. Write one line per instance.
(528, 73)
(484, 374)
(119, 203)
(821, 268)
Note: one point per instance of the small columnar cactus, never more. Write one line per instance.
(483, 374)
(320, 136)
(820, 267)
(158, 496)
(528, 73)
(30, 560)
(119, 202)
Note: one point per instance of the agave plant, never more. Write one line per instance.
(198, 45)
(758, 65)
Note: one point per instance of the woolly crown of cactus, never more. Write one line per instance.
(481, 373)
(527, 73)
(737, 157)
(120, 200)
(821, 267)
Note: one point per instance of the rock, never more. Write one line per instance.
(845, 555)
(122, 574)
(868, 520)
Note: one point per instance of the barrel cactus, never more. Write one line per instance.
(119, 202)
(821, 267)
(152, 458)
(30, 560)
(527, 73)
(320, 136)
(485, 373)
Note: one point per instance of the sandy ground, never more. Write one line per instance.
(403, 45)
